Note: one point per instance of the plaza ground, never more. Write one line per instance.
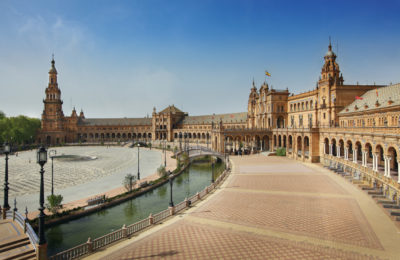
(270, 208)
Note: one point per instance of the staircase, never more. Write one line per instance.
(14, 244)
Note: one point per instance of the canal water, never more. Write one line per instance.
(67, 235)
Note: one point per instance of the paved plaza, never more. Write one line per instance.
(76, 180)
(272, 208)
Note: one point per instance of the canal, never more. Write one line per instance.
(72, 233)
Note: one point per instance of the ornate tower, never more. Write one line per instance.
(251, 107)
(53, 116)
(328, 85)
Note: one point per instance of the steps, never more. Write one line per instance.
(16, 247)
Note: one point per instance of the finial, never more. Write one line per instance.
(52, 56)
(330, 45)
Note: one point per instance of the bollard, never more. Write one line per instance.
(151, 219)
(124, 231)
(186, 203)
(198, 195)
(90, 245)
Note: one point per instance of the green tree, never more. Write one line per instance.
(19, 130)
(54, 203)
(161, 171)
(129, 182)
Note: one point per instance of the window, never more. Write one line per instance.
(324, 116)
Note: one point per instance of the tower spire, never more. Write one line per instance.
(330, 45)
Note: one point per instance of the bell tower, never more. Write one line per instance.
(53, 116)
(330, 80)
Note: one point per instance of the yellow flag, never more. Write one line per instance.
(267, 73)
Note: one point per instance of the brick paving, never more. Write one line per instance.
(267, 211)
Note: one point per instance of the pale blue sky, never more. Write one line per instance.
(121, 58)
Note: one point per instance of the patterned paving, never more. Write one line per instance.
(336, 219)
(285, 182)
(267, 211)
(185, 240)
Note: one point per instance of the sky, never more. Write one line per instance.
(122, 58)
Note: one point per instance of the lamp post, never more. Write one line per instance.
(212, 170)
(52, 153)
(184, 141)
(138, 151)
(41, 160)
(7, 150)
(171, 202)
(165, 153)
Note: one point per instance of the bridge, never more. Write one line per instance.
(17, 238)
(199, 151)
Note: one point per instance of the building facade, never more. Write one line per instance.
(353, 125)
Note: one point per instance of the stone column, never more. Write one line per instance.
(346, 153)
(338, 151)
(364, 163)
(330, 149)
(398, 169)
(373, 162)
(388, 159)
(324, 148)
(355, 155)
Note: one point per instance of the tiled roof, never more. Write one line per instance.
(115, 121)
(208, 119)
(385, 97)
(171, 109)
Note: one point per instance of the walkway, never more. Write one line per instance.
(14, 244)
(269, 208)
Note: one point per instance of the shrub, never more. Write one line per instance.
(54, 203)
(161, 171)
(281, 151)
(129, 182)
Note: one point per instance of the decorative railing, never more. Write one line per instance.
(23, 222)
(124, 232)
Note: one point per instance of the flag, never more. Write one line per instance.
(267, 73)
(357, 97)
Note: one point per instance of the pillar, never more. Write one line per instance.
(330, 149)
(387, 166)
(346, 153)
(398, 171)
(355, 155)
(338, 151)
(373, 162)
(324, 148)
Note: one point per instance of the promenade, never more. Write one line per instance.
(272, 208)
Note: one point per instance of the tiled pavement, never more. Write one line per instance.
(272, 208)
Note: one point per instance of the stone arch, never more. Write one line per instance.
(394, 165)
(306, 146)
(118, 135)
(265, 141)
(284, 141)
(298, 144)
(129, 135)
(381, 155)
(368, 148)
(290, 143)
(275, 141)
(326, 146)
(279, 141)
(349, 145)
(358, 153)
(334, 148)
(341, 148)
(123, 136)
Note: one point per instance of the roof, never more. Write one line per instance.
(114, 121)
(208, 119)
(171, 109)
(381, 95)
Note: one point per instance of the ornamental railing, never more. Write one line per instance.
(126, 231)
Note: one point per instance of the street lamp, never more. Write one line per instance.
(52, 153)
(41, 160)
(138, 173)
(171, 178)
(7, 150)
(184, 141)
(165, 153)
(212, 171)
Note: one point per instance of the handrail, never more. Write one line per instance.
(91, 246)
(21, 221)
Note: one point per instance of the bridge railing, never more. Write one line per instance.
(125, 232)
(23, 223)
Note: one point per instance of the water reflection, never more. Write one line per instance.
(130, 209)
(162, 191)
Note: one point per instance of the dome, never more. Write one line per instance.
(53, 68)
(330, 53)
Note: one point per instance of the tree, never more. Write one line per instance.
(129, 182)
(20, 129)
(161, 171)
(54, 203)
